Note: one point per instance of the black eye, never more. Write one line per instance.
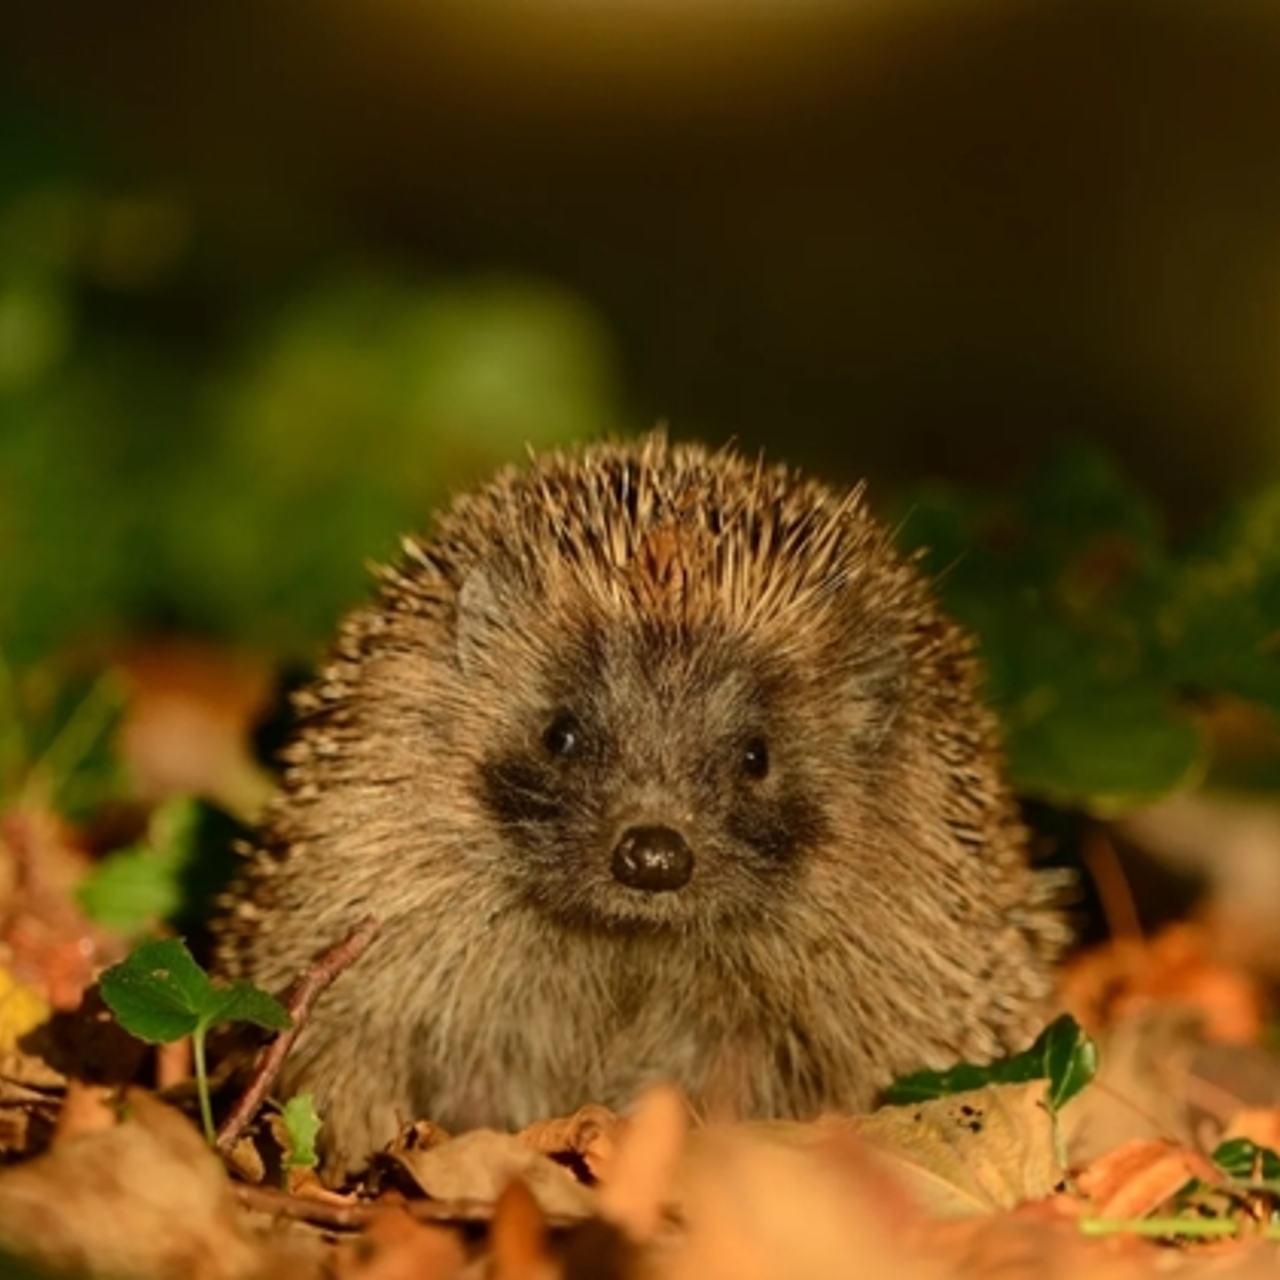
(755, 759)
(563, 736)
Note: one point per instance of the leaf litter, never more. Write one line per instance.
(1161, 1164)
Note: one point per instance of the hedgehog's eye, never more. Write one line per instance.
(755, 759)
(563, 736)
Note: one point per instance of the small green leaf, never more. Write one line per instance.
(1070, 1058)
(130, 889)
(243, 1002)
(301, 1125)
(136, 887)
(1245, 1161)
(925, 1086)
(158, 993)
(1063, 1054)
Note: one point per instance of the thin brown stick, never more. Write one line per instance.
(299, 1000)
(1114, 893)
(325, 1213)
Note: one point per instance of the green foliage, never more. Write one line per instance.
(170, 876)
(301, 1127)
(1063, 1054)
(232, 485)
(1099, 638)
(57, 739)
(139, 886)
(160, 994)
(1245, 1161)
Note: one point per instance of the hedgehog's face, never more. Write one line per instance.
(663, 780)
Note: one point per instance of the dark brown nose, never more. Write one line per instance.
(652, 858)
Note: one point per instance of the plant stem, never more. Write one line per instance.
(1190, 1227)
(202, 1084)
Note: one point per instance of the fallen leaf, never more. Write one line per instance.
(1178, 967)
(51, 945)
(1137, 1178)
(395, 1247)
(22, 1009)
(518, 1237)
(590, 1134)
(479, 1164)
(643, 1172)
(756, 1208)
(30, 1101)
(1038, 1243)
(972, 1152)
(144, 1198)
(419, 1136)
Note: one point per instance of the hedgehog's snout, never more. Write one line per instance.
(656, 859)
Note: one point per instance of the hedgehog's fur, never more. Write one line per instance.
(861, 910)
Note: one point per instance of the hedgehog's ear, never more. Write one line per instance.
(482, 615)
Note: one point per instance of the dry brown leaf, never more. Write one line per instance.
(421, 1135)
(50, 945)
(29, 1070)
(1138, 1177)
(145, 1198)
(518, 1237)
(1178, 967)
(973, 1152)
(759, 1208)
(643, 1171)
(395, 1247)
(479, 1164)
(15, 1131)
(590, 1133)
(1040, 1242)
(30, 1100)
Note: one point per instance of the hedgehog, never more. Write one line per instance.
(652, 762)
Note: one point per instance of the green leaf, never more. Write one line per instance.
(1245, 1161)
(172, 876)
(243, 1002)
(158, 993)
(130, 890)
(301, 1125)
(1063, 1054)
(1070, 1058)
(142, 885)
(924, 1086)
(1115, 747)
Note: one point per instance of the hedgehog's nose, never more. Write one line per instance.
(652, 858)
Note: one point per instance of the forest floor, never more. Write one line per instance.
(1160, 1161)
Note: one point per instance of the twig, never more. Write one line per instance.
(298, 1001)
(1114, 890)
(324, 1213)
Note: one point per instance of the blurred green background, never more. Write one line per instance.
(275, 278)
